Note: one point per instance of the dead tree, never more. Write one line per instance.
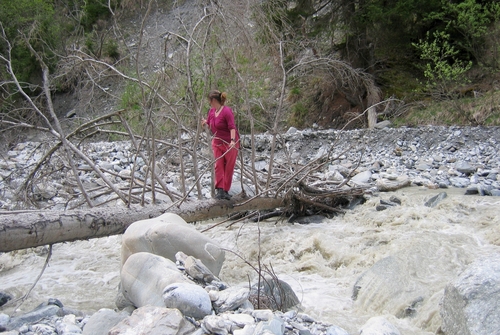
(291, 191)
(25, 229)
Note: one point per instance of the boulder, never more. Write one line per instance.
(39, 313)
(230, 299)
(192, 300)
(432, 202)
(153, 320)
(102, 321)
(378, 326)
(336, 330)
(4, 298)
(464, 167)
(471, 304)
(195, 268)
(274, 293)
(362, 178)
(274, 326)
(168, 234)
(215, 324)
(144, 276)
(386, 185)
(4, 320)
(229, 323)
(68, 326)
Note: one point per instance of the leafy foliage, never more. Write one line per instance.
(94, 10)
(32, 21)
(443, 69)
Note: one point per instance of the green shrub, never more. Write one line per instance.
(443, 69)
(94, 10)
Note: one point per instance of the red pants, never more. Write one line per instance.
(225, 160)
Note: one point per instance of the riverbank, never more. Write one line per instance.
(324, 261)
(434, 157)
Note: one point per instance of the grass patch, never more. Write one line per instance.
(481, 110)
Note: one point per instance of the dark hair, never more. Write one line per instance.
(219, 96)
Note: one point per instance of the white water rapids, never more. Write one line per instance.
(320, 261)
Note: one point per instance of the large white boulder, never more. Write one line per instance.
(144, 276)
(168, 234)
(471, 304)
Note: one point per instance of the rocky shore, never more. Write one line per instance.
(381, 159)
(434, 157)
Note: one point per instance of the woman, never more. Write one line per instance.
(225, 142)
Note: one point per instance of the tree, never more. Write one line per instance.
(213, 49)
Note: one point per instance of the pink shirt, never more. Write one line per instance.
(222, 124)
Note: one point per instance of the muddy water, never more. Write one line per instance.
(322, 262)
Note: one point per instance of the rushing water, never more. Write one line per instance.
(320, 261)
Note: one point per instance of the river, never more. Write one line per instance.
(320, 261)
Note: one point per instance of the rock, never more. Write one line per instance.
(423, 167)
(238, 321)
(384, 204)
(274, 294)
(153, 320)
(192, 300)
(382, 124)
(263, 314)
(472, 189)
(492, 176)
(464, 167)
(380, 208)
(459, 182)
(362, 178)
(102, 321)
(226, 323)
(70, 114)
(385, 185)
(335, 330)
(471, 304)
(247, 330)
(309, 219)
(195, 268)
(67, 326)
(4, 298)
(123, 303)
(43, 311)
(275, 326)
(41, 328)
(144, 276)
(432, 202)
(378, 326)
(395, 200)
(4, 320)
(215, 324)
(168, 234)
(230, 299)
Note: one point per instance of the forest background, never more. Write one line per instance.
(284, 63)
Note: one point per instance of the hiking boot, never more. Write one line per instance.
(219, 194)
(226, 195)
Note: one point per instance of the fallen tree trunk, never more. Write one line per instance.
(35, 228)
